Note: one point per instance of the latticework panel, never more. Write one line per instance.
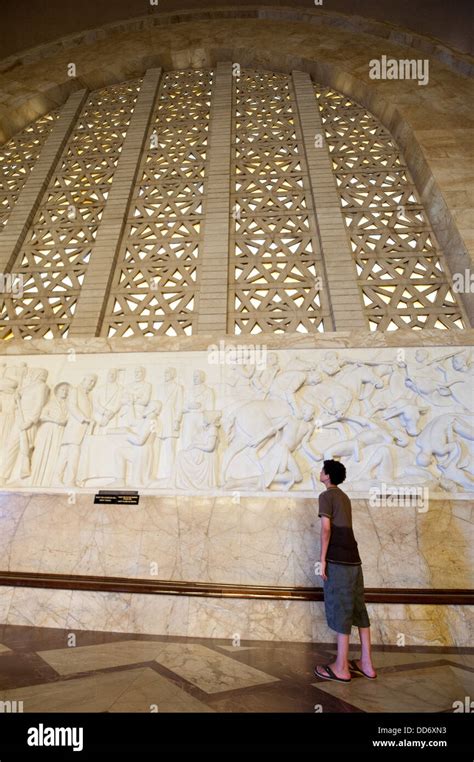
(155, 284)
(275, 273)
(53, 260)
(17, 159)
(400, 269)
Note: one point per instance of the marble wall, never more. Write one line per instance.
(402, 625)
(255, 541)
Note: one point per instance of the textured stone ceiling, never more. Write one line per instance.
(27, 23)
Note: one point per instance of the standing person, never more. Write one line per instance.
(341, 571)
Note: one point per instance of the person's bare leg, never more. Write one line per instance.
(342, 658)
(340, 667)
(365, 661)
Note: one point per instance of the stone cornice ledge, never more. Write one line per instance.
(201, 342)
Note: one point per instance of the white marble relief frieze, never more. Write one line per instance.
(260, 421)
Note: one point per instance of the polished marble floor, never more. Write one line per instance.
(52, 670)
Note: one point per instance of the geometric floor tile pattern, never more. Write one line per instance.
(153, 692)
(212, 672)
(135, 690)
(69, 661)
(116, 672)
(426, 689)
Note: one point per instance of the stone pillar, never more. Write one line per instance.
(213, 271)
(25, 208)
(95, 290)
(344, 293)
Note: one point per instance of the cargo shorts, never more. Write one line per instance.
(344, 597)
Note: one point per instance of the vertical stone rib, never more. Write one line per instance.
(94, 294)
(344, 294)
(25, 208)
(212, 302)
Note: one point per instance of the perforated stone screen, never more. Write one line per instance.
(276, 266)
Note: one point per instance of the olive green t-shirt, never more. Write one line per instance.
(335, 504)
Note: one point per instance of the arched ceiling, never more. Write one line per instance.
(28, 23)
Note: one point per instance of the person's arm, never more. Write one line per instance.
(325, 514)
(325, 537)
(74, 408)
(139, 437)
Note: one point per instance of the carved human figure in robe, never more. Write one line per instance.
(134, 459)
(30, 400)
(108, 401)
(49, 436)
(136, 398)
(79, 422)
(10, 381)
(196, 466)
(171, 396)
(198, 398)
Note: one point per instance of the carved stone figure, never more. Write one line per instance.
(198, 398)
(458, 384)
(251, 426)
(79, 421)
(329, 398)
(30, 400)
(10, 381)
(409, 414)
(108, 400)
(49, 436)
(263, 380)
(285, 385)
(170, 394)
(239, 382)
(137, 397)
(441, 442)
(428, 378)
(372, 445)
(196, 466)
(134, 459)
(279, 464)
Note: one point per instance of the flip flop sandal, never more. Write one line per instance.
(353, 667)
(330, 674)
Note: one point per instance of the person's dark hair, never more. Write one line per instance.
(335, 470)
